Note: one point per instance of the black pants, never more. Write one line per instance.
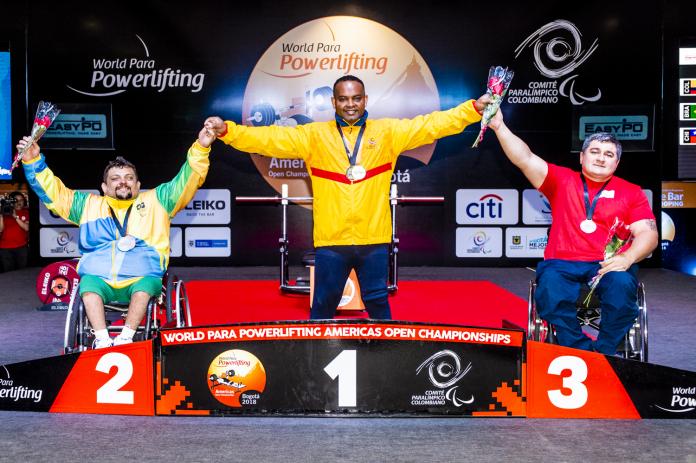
(14, 258)
(332, 267)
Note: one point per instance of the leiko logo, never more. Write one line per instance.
(291, 84)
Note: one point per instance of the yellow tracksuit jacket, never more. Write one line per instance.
(345, 212)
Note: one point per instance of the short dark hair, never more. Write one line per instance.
(603, 137)
(347, 78)
(120, 162)
(16, 193)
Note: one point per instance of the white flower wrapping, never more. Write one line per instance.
(499, 79)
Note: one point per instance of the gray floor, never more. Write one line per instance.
(27, 334)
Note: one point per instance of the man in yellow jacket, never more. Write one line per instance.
(350, 161)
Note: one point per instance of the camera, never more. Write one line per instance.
(7, 205)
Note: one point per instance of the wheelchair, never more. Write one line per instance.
(635, 343)
(168, 310)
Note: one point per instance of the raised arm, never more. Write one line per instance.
(58, 198)
(426, 128)
(517, 151)
(272, 140)
(178, 192)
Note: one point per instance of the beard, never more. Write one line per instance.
(124, 193)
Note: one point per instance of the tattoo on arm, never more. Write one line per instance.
(652, 225)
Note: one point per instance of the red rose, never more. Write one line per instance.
(623, 232)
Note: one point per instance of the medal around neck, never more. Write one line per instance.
(588, 226)
(355, 173)
(126, 243)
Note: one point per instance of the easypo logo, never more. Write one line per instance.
(623, 127)
(78, 126)
(476, 207)
(208, 207)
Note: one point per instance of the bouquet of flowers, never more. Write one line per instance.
(46, 113)
(618, 239)
(499, 79)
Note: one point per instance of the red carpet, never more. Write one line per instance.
(474, 303)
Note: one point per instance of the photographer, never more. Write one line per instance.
(14, 231)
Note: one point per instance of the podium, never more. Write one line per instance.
(348, 367)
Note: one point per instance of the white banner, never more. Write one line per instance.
(59, 241)
(207, 242)
(479, 242)
(483, 207)
(208, 207)
(525, 242)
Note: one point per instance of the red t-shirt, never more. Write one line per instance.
(563, 188)
(13, 236)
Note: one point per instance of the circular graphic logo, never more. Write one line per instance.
(292, 84)
(348, 293)
(480, 238)
(236, 378)
(668, 228)
(56, 281)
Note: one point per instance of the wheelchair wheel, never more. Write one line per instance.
(643, 319)
(181, 305)
(636, 343)
(169, 299)
(75, 336)
(537, 329)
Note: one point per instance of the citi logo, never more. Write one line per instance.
(489, 206)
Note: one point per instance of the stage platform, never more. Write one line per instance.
(29, 334)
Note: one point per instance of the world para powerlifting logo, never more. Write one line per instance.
(291, 84)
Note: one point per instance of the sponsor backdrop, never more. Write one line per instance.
(143, 79)
(678, 221)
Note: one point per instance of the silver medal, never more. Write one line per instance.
(588, 226)
(359, 172)
(126, 243)
(355, 173)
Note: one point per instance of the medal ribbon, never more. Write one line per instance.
(352, 158)
(121, 228)
(589, 208)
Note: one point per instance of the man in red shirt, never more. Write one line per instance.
(14, 233)
(584, 206)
